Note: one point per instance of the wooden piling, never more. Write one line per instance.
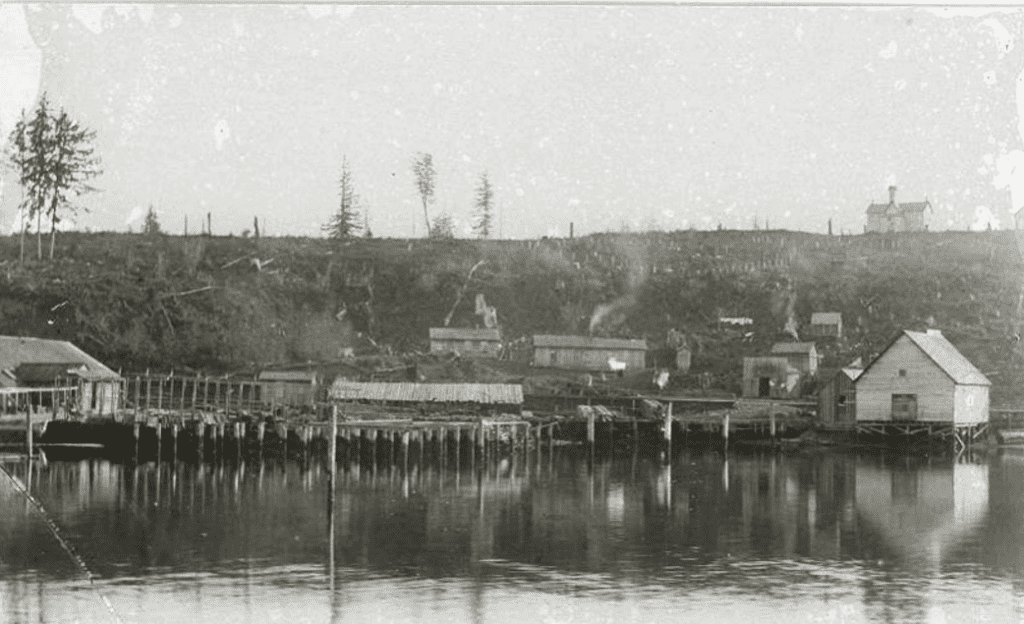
(159, 441)
(771, 425)
(333, 460)
(174, 442)
(28, 431)
(195, 391)
(668, 432)
(725, 430)
(160, 393)
(135, 434)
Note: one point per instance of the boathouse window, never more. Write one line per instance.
(842, 399)
(903, 372)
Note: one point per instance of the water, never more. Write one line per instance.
(751, 538)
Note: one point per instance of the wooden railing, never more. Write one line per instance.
(173, 392)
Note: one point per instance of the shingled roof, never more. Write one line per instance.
(904, 207)
(493, 394)
(458, 333)
(16, 351)
(946, 356)
(588, 342)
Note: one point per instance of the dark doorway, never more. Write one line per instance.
(904, 407)
(764, 386)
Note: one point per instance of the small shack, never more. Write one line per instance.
(770, 377)
(921, 377)
(432, 397)
(837, 398)
(38, 363)
(482, 343)
(288, 387)
(683, 359)
(803, 356)
(589, 354)
(826, 325)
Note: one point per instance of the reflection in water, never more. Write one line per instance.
(756, 537)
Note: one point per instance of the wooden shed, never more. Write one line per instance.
(803, 356)
(288, 387)
(826, 325)
(590, 354)
(921, 377)
(837, 398)
(770, 377)
(467, 342)
(37, 362)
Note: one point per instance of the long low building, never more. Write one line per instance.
(503, 397)
(485, 343)
(588, 353)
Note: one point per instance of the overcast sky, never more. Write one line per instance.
(610, 117)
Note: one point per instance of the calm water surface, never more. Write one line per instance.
(549, 538)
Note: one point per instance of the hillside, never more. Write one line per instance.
(229, 303)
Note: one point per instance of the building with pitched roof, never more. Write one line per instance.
(837, 398)
(826, 325)
(37, 362)
(467, 342)
(770, 377)
(588, 353)
(895, 217)
(288, 387)
(803, 356)
(921, 377)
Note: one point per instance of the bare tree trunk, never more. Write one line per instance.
(39, 235)
(24, 227)
(426, 217)
(53, 234)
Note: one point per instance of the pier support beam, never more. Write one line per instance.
(725, 430)
(667, 432)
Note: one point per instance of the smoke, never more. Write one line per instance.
(612, 314)
(628, 256)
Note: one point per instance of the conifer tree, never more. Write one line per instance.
(345, 222)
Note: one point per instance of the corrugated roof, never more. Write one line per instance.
(946, 356)
(296, 376)
(492, 394)
(793, 347)
(826, 318)
(15, 351)
(588, 342)
(460, 333)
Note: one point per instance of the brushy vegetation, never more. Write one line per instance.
(224, 303)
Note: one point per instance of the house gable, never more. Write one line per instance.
(904, 369)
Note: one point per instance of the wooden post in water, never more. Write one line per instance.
(135, 434)
(458, 447)
(591, 432)
(195, 391)
(333, 460)
(771, 425)
(668, 432)
(149, 390)
(174, 442)
(28, 429)
(160, 393)
(159, 440)
(725, 430)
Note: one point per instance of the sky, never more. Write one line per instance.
(612, 118)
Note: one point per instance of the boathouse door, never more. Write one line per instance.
(904, 407)
(764, 386)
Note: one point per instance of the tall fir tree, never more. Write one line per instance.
(345, 222)
(426, 180)
(484, 207)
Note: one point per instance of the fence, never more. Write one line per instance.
(172, 392)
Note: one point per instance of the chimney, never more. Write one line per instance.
(892, 194)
